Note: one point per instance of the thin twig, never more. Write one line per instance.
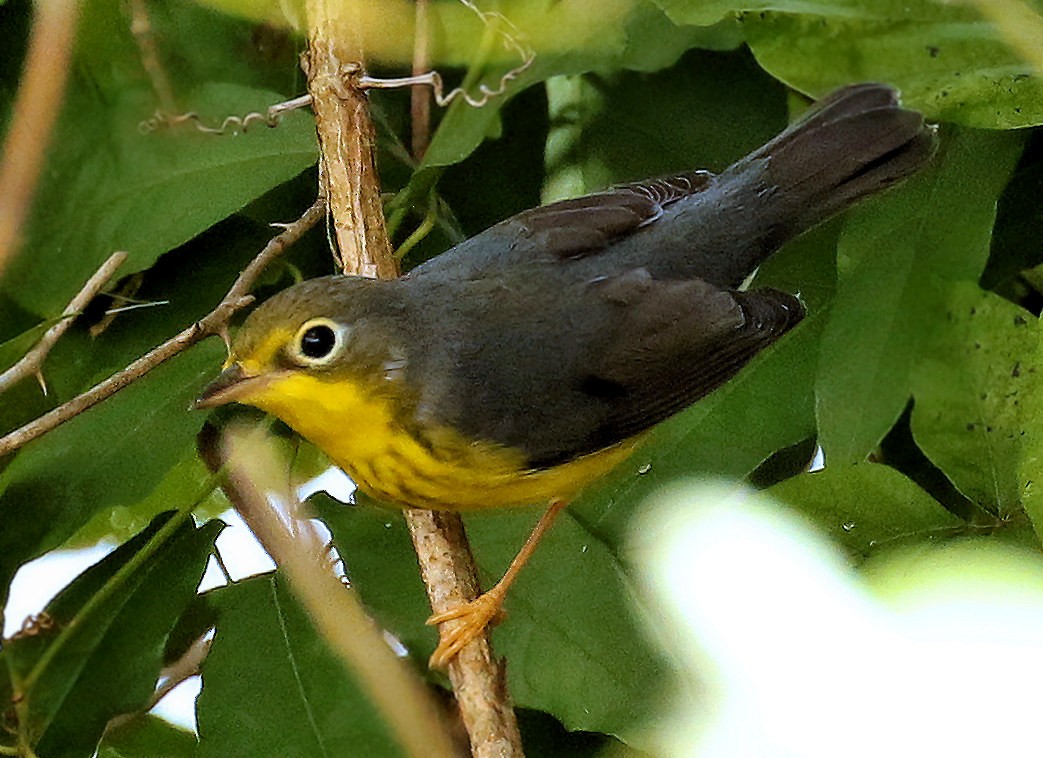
(419, 96)
(183, 669)
(271, 118)
(399, 695)
(215, 322)
(496, 24)
(39, 99)
(31, 363)
(434, 80)
(141, 28)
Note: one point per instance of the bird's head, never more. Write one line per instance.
(298, 345)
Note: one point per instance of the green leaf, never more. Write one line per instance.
(12, 350)
(969, 390)
(949, 62)
(866, 506)
(381, 564)
(629, 35)
(1016, 240)
(712, 11)
(101, 653)
(114, 188)
(272, 687)
(518, 153)
(897, 256)
(182, 485)
(1030, 467)
(147, 736)
(108, 186)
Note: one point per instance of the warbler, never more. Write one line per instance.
(528, 361)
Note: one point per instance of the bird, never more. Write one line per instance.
(530, 360)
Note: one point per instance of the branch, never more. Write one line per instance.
(350, 181)
(479, 680)
(39, 99)
(399, 695)
(347, 142)
(31, 363)
(215, 322)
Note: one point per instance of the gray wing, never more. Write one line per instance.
(565, 230)
(678, 342)
(594, 368)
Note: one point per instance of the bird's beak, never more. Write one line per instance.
(231, 385)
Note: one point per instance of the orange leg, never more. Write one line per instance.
(477, 614)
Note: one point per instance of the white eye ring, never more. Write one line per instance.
(318, 342)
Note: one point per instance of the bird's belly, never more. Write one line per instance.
(483, 478)
(439, 469)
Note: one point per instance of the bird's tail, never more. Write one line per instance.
(855, 142)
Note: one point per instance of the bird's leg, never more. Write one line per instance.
(474, 616)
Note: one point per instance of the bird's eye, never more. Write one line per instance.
(318, 341)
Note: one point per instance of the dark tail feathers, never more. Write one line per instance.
(855, 142)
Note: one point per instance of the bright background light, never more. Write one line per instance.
(787, 651)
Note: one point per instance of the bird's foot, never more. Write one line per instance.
(472, 618)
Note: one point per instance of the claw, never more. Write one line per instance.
(473, 618)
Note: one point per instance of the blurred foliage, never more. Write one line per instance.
(817, 652)
(283, 706)
(915, 370)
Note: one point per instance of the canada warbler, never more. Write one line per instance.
(529, 360)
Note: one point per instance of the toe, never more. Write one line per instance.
(451, 645)
(473, 618)
(453, 613)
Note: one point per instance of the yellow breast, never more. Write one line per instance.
(360, 432)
